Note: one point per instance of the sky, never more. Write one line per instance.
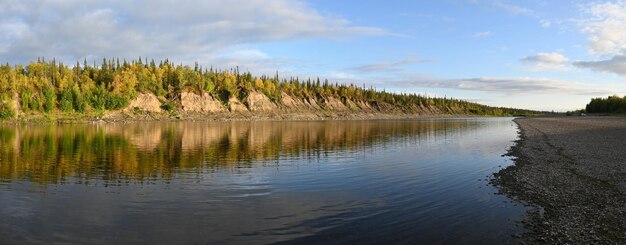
(533, 54)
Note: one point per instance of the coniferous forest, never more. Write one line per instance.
(611, 104)
(45, 87)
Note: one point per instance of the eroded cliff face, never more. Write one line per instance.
(191, 102)
(334, 104)
(258, 102)
(234, 105)
(292, 104)
(258, 105)
(145, 102)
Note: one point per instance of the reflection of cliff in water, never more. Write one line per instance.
(149, 151)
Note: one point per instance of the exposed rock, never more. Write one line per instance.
(195, 103)
(351, 105)
(236, 106)
(290, 103)
(312, 103)
(259, 102)
(146, 102)
(334, 104)
(384, 107)
(414, 108)
(425, 109)
(364, 105)
(434, 110)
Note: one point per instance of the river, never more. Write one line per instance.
(329, 182)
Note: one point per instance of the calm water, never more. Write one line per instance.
(325, 182)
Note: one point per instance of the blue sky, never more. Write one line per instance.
(535, 54)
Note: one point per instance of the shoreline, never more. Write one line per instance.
(572, 171)
(129, 117)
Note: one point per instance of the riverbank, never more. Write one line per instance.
(573, 169)
(142, 116)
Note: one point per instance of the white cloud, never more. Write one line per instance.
(606, 28)
(516, 85)
(552, 58)
(616, 65)
(342, 77)
(511, 8)
(243, 58)
(545, 23)
(482, 34)
(546, 62)
(181, 30)
(386, 66)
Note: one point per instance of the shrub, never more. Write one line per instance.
(6, 108)
(115, 101)
(37, 102)
(27, 100)
(102, 99)
(168, 106)
(6, 111)
(97, 98)
(80, 104)
(66, 102)
(50, 99)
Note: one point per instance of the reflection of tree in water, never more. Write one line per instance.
(150, 151)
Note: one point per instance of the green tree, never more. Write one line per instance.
(79, 102)
(6, 107)
(66, 100)
(50, 99)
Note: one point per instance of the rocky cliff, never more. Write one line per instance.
(257, 105)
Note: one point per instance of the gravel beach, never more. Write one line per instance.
(573, 171)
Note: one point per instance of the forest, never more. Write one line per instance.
(44, 87)
(611, 104)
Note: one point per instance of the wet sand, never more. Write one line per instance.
(573, 171)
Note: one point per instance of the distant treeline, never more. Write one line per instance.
(612, 104)
(51, 86)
